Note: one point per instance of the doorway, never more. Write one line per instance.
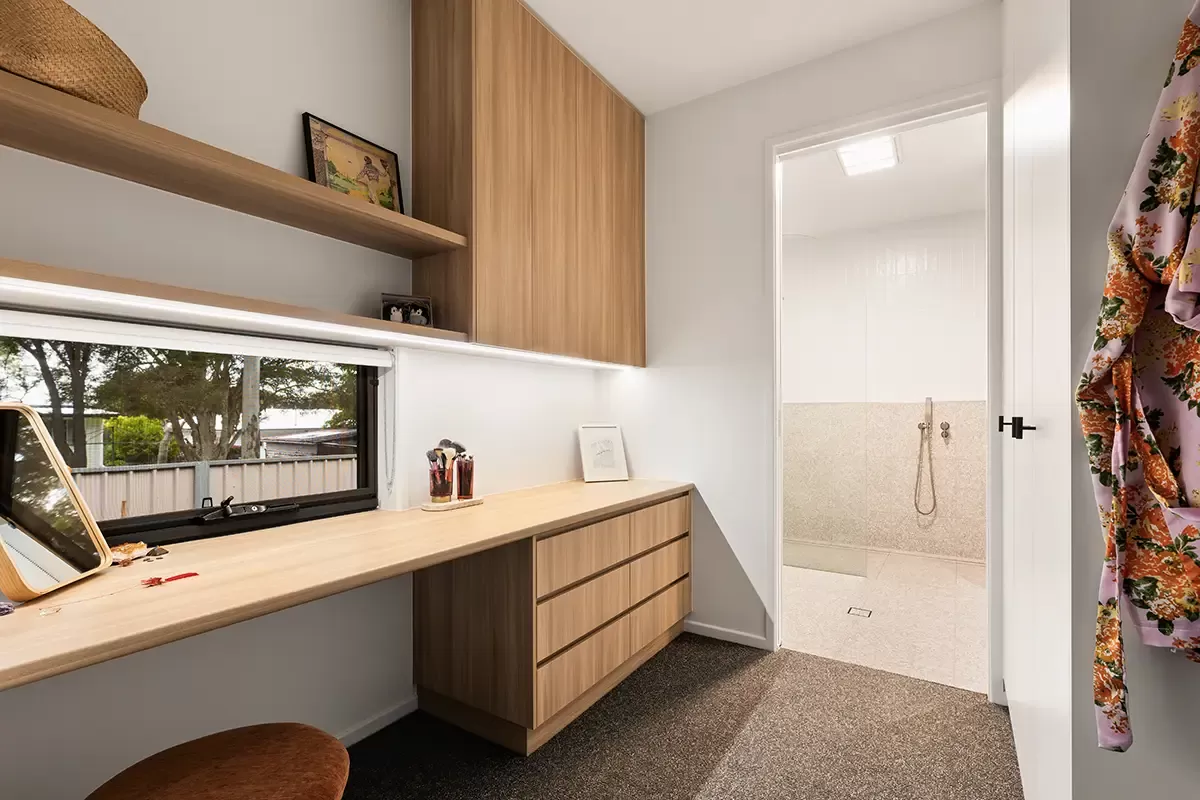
(883, 244)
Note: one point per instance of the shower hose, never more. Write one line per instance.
(925, 453)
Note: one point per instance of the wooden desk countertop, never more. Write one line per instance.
(253, 574)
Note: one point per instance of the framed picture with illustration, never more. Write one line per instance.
(603, 453)
(352, 165)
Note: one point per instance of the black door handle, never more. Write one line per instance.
(1018, 427)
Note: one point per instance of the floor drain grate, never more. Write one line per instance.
(859, 612)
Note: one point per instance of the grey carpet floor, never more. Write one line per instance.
(707, 719)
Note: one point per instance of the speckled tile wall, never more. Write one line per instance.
(849, 471)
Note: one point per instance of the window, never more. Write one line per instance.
(158, 437)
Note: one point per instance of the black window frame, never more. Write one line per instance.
(186, 526)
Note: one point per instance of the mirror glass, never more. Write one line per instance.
(42, 530)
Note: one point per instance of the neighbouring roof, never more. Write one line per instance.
(70, 411)
(315, 437)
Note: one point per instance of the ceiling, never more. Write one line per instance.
(660, 53)
(942, 170)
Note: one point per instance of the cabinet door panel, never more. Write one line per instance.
(442, 178)
(501, 237)
(555, 271)
(595, 246)
(628, 267)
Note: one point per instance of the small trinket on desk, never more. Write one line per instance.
(126, 554)
(6, 609)
(148, 582)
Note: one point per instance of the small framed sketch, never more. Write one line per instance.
(351, 165)
(603, 453)
(404, 308)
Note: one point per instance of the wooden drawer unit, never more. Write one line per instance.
(567, 558)
(577, 612)
(661, 523)
(515, 643)
(659, 568)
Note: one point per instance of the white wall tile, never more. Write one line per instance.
(891, 315)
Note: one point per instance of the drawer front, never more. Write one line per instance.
(575, 613)
(661, 523)
(573, 672)
(661, 568)
(654, 618)
(569, 557)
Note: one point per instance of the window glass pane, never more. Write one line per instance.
(152, 431)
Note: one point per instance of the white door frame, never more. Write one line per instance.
(948, 105)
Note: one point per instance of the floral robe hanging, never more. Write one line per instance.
(1140, 400)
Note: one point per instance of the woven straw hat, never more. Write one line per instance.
(49, 42)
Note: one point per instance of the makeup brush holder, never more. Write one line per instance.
(465, 475)
(441, 483)
(446, 482)
(451, 477)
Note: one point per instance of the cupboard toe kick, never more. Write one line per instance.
(514, 643)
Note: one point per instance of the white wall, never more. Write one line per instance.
(1119, 57)
(236, 75)
(340, 663)
(519, 419)
(239, 75)
(900, 312)
(703, 410)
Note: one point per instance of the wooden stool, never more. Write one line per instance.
(281, 761)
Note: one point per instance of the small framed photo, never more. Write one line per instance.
(352, 165)
(603, 453)
(408, 309)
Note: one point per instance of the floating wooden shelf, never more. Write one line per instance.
(48, 122)
(58, 276)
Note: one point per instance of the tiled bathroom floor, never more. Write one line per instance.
(928, 620)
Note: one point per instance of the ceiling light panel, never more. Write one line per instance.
(869, 155)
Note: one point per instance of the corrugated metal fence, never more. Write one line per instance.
(113, 492)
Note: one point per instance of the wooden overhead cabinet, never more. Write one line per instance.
(521, 145)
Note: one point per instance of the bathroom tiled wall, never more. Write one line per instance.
(890, 315)
(849, 471)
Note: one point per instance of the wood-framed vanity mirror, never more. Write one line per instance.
(48, 537)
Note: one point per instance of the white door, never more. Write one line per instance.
(1037, 381)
